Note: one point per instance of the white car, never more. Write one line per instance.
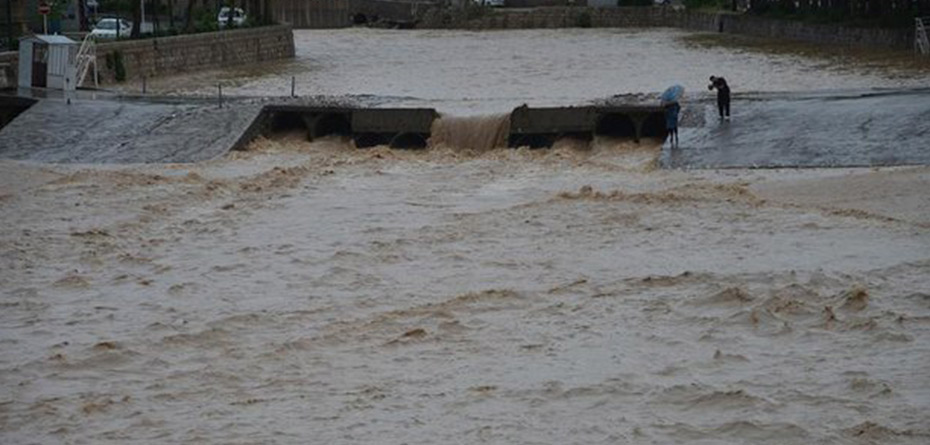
(107, 28)
(238, 17)
(491, 3)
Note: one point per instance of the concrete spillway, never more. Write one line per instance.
(852, 129)
(412, 127)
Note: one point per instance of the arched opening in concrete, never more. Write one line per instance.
(616, 125)
(368, 140)
(409, 140)
(359, 19)
(532, 140)
(654, 126)
(328, 124)
(283, 124)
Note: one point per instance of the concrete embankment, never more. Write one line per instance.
(854, 129)
(117, 131)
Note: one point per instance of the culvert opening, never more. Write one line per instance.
(654, 126)
(286, 123)
(616, 125)
(328, 124)
(368, 140)
(359, 19)
(409, 141)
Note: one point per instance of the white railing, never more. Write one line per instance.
(921, 44)
(86, 57)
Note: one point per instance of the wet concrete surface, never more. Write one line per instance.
(852, 129)
(108, 131)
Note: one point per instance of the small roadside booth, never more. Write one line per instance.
(48, 61)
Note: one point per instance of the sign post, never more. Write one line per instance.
(44, 10)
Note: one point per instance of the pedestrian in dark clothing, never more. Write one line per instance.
(723, 95)
(671, 122)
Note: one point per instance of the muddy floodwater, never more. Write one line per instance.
(305, 292)
(463, 72)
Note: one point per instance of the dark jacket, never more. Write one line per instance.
(723, 90)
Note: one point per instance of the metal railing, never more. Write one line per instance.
(87, 56)
(921, 44)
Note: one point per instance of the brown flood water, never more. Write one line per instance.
(302, 292)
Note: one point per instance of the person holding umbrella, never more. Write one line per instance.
(669, 100)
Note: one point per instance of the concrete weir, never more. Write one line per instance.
(828, 129)
(540, 127)
(411, 128)
(368, 127)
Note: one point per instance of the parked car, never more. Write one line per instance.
(491, 3)
(107, 28)
(238, 17)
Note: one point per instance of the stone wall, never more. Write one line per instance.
(566, 17)
(176, 54)
(194, 52)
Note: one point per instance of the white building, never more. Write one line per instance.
(48, 61)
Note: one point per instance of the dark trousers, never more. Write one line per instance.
(723, 105)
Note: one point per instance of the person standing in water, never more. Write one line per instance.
(671, 122)
(723, 95)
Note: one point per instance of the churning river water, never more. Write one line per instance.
(313, 293)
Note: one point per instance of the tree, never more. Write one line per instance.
(189, 17)
(136, 19)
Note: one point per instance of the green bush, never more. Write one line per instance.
(205, 20)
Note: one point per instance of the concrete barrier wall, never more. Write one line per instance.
(562, 17)
(170, 55)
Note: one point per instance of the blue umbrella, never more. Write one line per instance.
(673, 93)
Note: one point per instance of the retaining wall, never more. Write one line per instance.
(193, 52)
(902, 39)
(566, 17)
(170, 55)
